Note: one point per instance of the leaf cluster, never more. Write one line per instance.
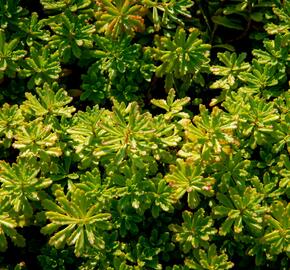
(145, 134)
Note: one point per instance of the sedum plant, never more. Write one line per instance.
(119, 69)
(129, 133)
(10, 13)
(241, 208)
(95, 85)
(209, 259)
(240, 15)
(277, 236)
(10, 119)
(257, 120)
(259, 79)
(59, 5)
(188, 178)
(170, 10)
(37, 139)
(172, 106)
(181, 57)
(33, 30)
(21, 184)
(117, 17)
(116, 56)
(83, 132)
(8, 227)
(71, 35)
(275, 54)
(195, 230)
(10, 56)
(50, 101)
(41, 67)
(281, 10)
(209, 135)
(233, 65)
(118, 170)
(81, 218)
(103, 165)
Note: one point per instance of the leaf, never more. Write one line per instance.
(82, 217)
(226, 22)
(180, 57)
(21, 184)
(172, 107)
(51, 101)
(195, 230)
(113, 24)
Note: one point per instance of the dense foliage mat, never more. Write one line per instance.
(144, 134)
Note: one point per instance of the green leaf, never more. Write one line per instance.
(195, 231)
(51, 101)
(41, 66)
(209, 259)
(166, 13)
(37, 139)
(180, 57)
(21, 184)
(81, 215)
(226, 22)
(240, 207)
(278, 231)
(116, 18)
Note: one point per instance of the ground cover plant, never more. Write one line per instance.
(144, 134)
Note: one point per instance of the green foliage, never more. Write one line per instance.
(234, 65)
(83, 220)
(277, 236)
(10, 119)
(182, 57)
(259, 79)
(10, 12)
(9, 56)
(95, 85)
(240, 207)
(195, 231)
(117, 62)
(209, 260)
(33, 30)
(117, 17)
(103, 165)
(126, 133)
(51, 101)
(209, 135)
(276, 53)
(37, 140)
(187, 178)
(8, 226)
(256, 119)
(83, 133)
(173, 107)
(118, 178)
(71, 35)
(282, 26)
(51, 258)
(117, 56)
(41, 67)
(170, 10)
(238, 14)
(21, 184)
(60, 5)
